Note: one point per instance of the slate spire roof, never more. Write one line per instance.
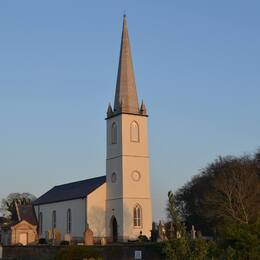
(126, 99)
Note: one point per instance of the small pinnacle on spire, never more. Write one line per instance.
(109, 110)
(143, 110)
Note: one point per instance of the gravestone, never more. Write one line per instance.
(172, 231)
(49, 234)
(161, 232)
(103, 241)
(88, 237)
(67, 237)
(193, 232)
(57, 235)
(154, 233)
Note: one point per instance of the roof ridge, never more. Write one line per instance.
(79, 181)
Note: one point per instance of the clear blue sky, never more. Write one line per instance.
(197, 66)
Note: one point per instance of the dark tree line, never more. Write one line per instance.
(222, 201)
(226, 191)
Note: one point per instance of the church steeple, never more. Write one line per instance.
(126, 100)
(128, 201)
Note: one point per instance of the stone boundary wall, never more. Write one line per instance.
(150, 251)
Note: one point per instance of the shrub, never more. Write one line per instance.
(143, 238)
(239, 242)
(64, 243)
(199, 249)
(187, 248)
(42, 241)
(176, 249)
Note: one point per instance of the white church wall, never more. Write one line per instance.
(130, 231)
(129, 159)
(113, 149)
(114, 209)
(134, 148)
(78, 214)
(136, 181)
(96, 211)
(114, 166)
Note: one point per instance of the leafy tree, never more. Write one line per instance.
(176, 249)
(239, 242)
(235, 191)
(225, 198)
(173, 215)
(3, 220)
(200, 249)
(182, 246)
(8, 204)
(227, 190)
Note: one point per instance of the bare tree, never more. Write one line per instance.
(235, 191)
(8, 204)
(227, 190)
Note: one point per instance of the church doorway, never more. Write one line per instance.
(23, 239)
(114, 229)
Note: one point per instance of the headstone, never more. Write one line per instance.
(103, 241)
(49, 234)
(172, 231)
(193, 232)
(67, 237)
(88, 237)
(154, 233)
(57, 235)
(160, 231)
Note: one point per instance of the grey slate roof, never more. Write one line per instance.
(26, 212)
(70, 191)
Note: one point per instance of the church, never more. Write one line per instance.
(116, 206)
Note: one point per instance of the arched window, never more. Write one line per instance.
(134, 132)
(69, 221)
(54, 219)
(40, 223)
(113, 177)
(137, 216)
(113, 133)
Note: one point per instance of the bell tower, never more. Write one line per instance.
(128, 205)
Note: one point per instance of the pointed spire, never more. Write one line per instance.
(109, 110)
(143, 110)
(126, 96)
